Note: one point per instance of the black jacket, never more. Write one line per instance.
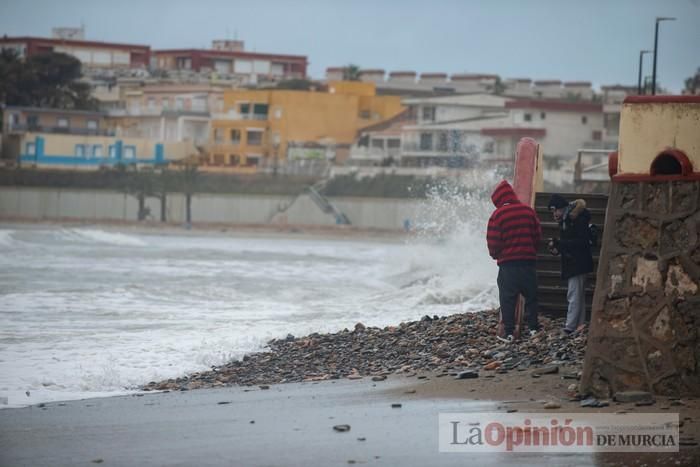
(574, 242)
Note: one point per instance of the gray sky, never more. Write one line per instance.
(592, 40)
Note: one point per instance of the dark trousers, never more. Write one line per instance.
(512, 281)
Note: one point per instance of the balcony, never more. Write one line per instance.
(24, 128)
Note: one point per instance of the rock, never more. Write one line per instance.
(341, 428)
(632, 396)
(395, 406)
(546, 370)
(552, 405)
(362, 439)
(264, 386)
(467, 374)
(378, 378)
(511, 410)
(97, 461)
(252, 422)
(223, 402)
(410, 391)
(645, 403)
(359, 327)
(492, 365)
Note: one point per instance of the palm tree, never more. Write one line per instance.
(351, 72)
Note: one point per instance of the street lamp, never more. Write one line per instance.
(639, 80)
(656, 46)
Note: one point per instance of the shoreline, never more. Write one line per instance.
(333, 231)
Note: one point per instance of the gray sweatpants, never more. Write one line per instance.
(576, 295)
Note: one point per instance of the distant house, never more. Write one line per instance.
(92, 54)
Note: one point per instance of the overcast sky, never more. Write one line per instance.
(591, 40)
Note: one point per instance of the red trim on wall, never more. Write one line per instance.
(522, 132)
(563, 106)
(613, 158)
(668, 99)
(628, 178)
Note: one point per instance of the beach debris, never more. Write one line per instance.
(396, 406)
(223, 402)
(467, 374)
(379, 378)
(362, 439)
(552, 405)
(341, 428)
(443, 345)
(264, 386)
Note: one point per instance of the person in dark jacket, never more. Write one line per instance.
(512, 237)
(574, 246)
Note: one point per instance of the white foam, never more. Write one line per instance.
(101, 236)
(6, 239)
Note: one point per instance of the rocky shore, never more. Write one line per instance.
(459, 345)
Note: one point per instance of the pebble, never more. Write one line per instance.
(552, 405)
(341, 428)
(433, 344)
(395, 406)
(378, 378)
(468, 374)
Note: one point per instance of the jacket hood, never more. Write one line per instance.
(503, 194)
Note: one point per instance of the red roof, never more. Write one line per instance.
(514, 131)
(48, 40)
(667, 99)
(227, 53)
(563, 106)
(467, 77)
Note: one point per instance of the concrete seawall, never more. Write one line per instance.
(104, 205)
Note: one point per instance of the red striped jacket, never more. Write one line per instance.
(514, 229)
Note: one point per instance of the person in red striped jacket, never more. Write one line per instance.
(513, 235)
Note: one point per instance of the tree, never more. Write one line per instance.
(296, 84)
(44, 80)
(351, 72)
(692, 84)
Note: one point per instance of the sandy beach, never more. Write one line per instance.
(292, 425)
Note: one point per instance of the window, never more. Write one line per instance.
(62, 122)
(218, 159)
(97, 150)
(527, 117)
(151, 103)
(235, 136)
(378, 143)
(234, 160)
(393, 143)
(112, 151)
(278, 113)
(442, 142)
(426, 141)
(543, 115)
(260, 110)
(32, 122)
(244, 109)
(79, 150)
(179, 103)
(218, 135)
(429, 113)
(597, 135)
(129, 152)
(584, 119)
(254, 138)
(31, 149)
(92, 124)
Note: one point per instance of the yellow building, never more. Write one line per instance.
(266, 127)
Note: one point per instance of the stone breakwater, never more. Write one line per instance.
(447, 345)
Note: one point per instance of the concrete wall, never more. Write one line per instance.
(94, 205)
(647, 129)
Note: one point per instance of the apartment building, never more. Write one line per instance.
(269, 127)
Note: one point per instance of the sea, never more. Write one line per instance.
(93, 310)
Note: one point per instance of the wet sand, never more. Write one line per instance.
(292, 425)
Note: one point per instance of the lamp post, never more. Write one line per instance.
(656, 47)
(639, 79)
